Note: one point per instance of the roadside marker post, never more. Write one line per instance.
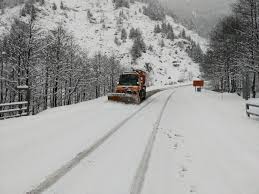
(198, 84)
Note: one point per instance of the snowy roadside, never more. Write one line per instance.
(206, 144)
(166, 87)
(253, 109)
(254, 101)
(38, 145)
(112, 167)
(35, 146)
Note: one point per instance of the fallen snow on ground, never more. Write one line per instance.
(111, 169)
(166, 87)
(253, 109)
(254, 101)
(33, 147)
(205, 144)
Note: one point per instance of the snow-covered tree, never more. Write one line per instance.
(157, 29)
(162, 43)
(124, 35)
(234, 53)
(117, 41)
(154, 10)
(135, 33)
(62, 5)
(54, 6)
(138, 48)
(121, 3)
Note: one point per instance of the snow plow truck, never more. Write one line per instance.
(131, 88)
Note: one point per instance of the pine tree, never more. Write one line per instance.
(162, 43)
(150, 48)
(116, 41)
(134, 33)
(138, 48)
(28, 9)
(42, 2)
(54, 6)
(121, 3)
(171, 35)
(157, 29)
(164, 28)
(154, 10)
(62, 5)
(183, 34)
(124, 35)
(89, 14)
(2, 7)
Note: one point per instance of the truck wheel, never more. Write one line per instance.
(143, 95)
(138, 100)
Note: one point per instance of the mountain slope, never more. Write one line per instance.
(96, 33)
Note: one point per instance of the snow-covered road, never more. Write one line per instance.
(112, 168)
(206, 145)
(203, 145)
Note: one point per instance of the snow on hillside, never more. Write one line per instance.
(170, 64)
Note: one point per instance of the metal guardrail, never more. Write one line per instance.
(15, 109)
(248, 112)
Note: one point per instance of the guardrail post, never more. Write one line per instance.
(20, 111)
(247, 108)
(28, 100)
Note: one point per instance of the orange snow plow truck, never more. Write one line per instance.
(131, 88)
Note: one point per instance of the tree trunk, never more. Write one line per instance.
(253, 86)
(55, 92)
(246, 87)
(46, 89)
(2, 82)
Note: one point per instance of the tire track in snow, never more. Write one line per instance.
(58, 174)
(139, 178)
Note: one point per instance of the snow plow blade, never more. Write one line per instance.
(126, 98)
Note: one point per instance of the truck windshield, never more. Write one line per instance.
(128, 80)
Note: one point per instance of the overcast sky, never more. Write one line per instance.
(207, 12)
(204, 7)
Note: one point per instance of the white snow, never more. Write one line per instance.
(33, 147)
(14, 103)
(253, 106)
(23, 87)
(205, 144)
(111, 168)
(170, 64)
(254, 101)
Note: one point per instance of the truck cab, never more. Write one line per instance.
(131, 86)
